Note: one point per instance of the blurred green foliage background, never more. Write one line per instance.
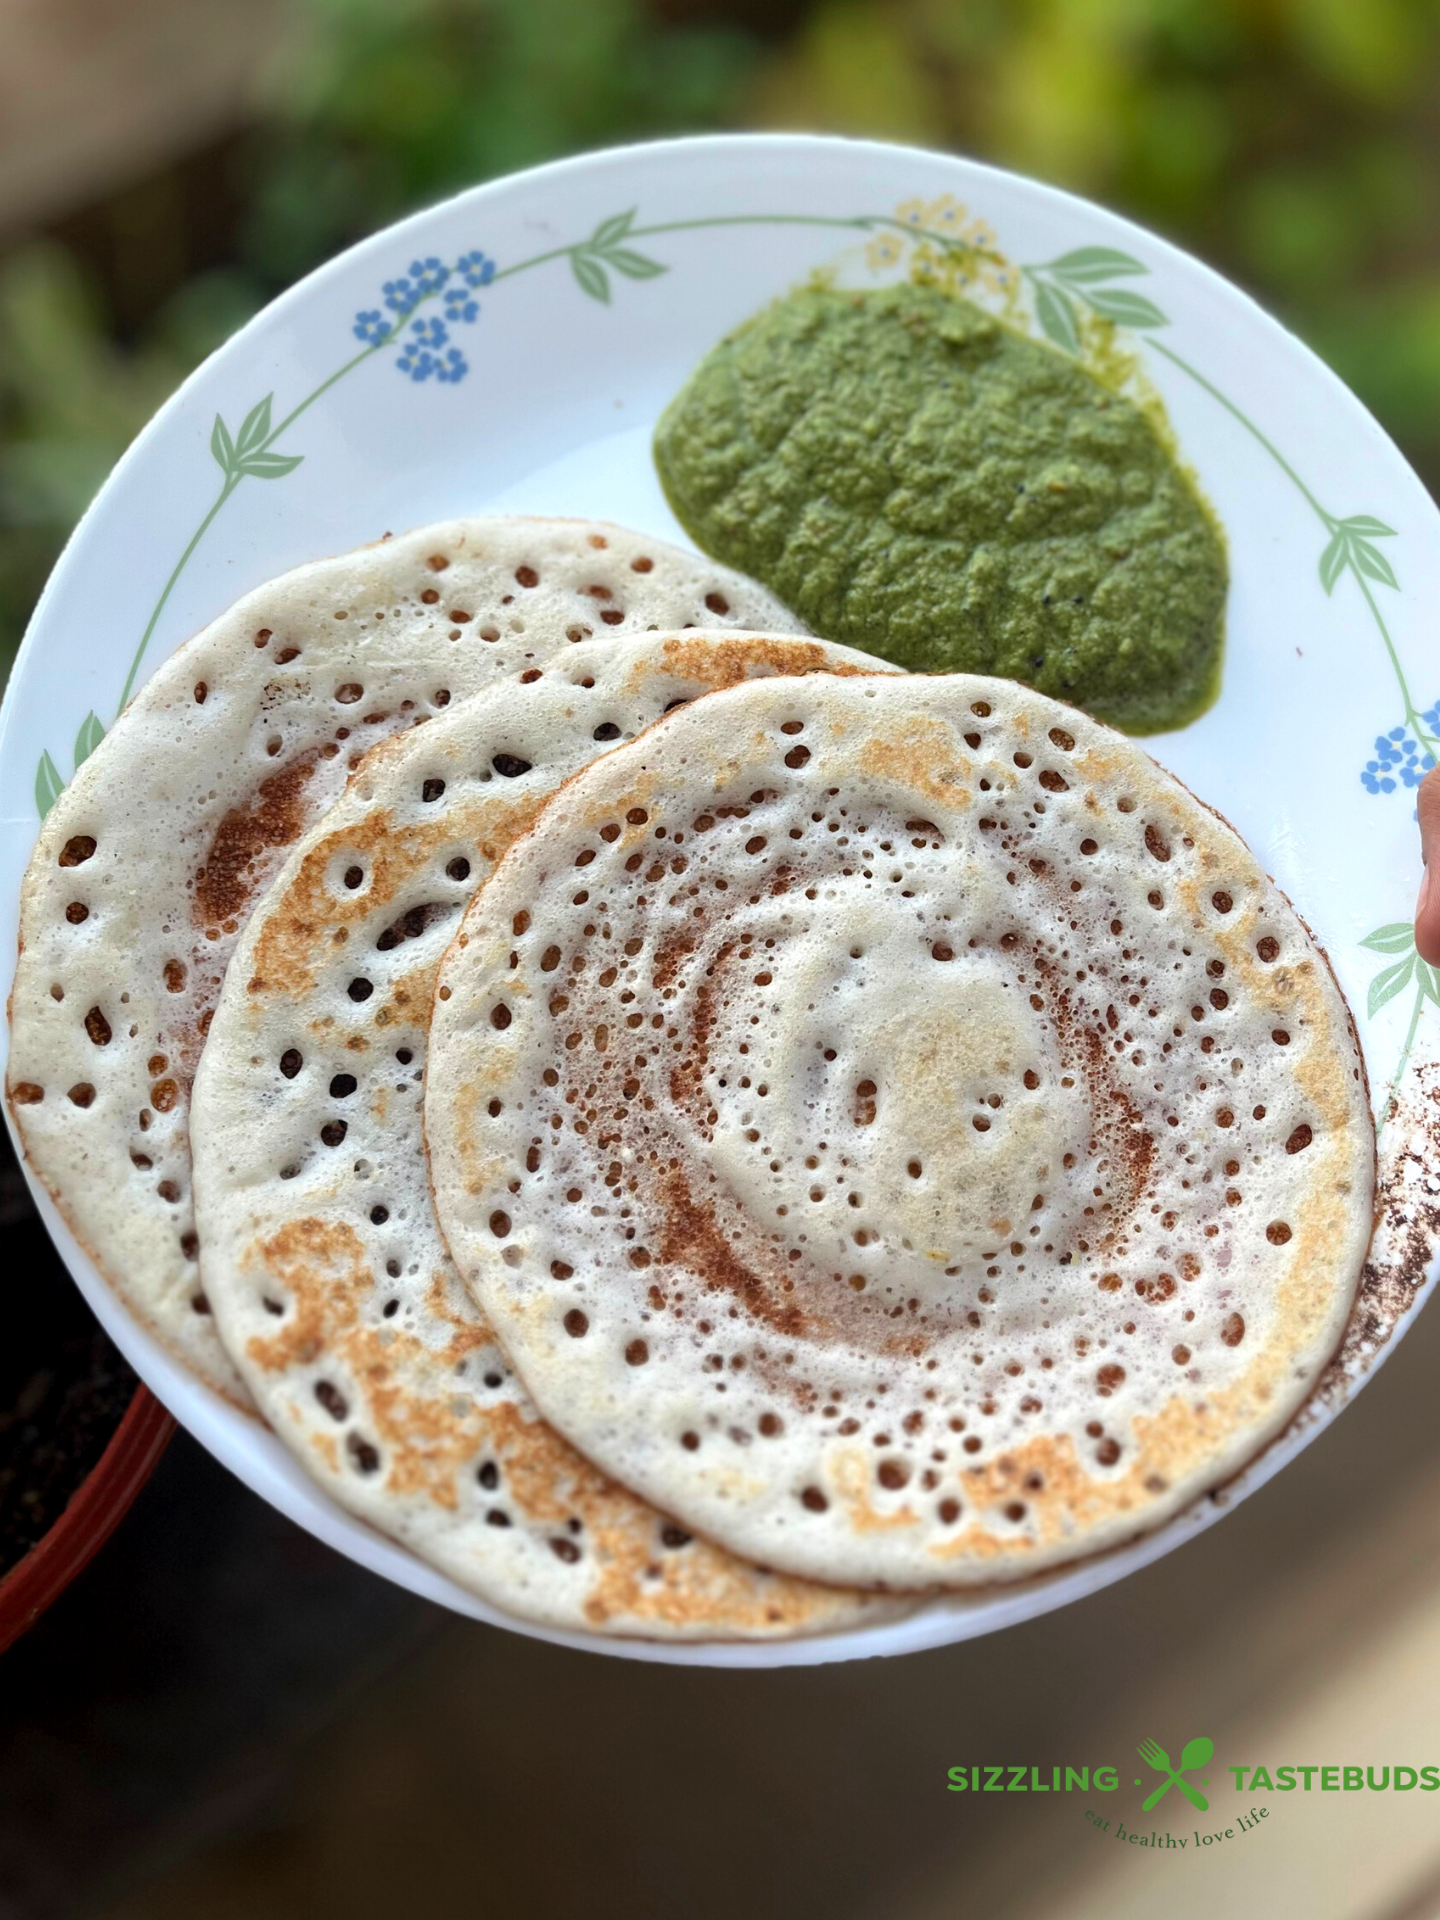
(1293, 143)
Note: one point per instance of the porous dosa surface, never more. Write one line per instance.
(910, 1138)
(147, 865)
(319, 1248)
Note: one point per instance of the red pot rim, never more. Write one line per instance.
(94, 1511)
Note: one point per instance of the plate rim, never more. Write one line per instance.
(213, 1421)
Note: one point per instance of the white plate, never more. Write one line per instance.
(577, 300)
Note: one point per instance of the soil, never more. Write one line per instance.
(63, 1387)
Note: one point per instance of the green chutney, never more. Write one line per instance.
(916, 478)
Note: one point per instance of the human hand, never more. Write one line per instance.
(1427, 907)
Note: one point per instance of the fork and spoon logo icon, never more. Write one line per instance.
(1195, 1753)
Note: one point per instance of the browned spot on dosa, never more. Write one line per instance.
(298, 939)
(432, 1442)
(324, 1269)
(919, 756)
(1121, 1134)
(691, 1237)
(274, 818)
(724, 661)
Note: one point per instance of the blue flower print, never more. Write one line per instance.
(1399, 760)
(400, 296)
(430, 333)
(372, 327)
(425, 349)
(421, 363)
(428, 276)
(475, 269)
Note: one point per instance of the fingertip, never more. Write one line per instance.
(1427, 920)
(1427, 809)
